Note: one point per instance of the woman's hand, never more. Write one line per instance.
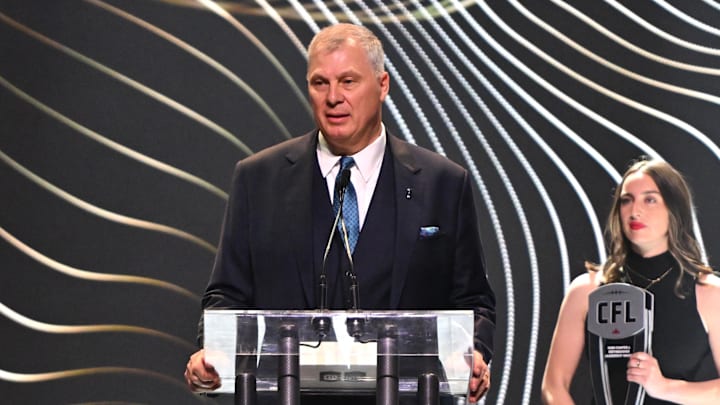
(643, 369)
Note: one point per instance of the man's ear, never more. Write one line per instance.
(384, 85)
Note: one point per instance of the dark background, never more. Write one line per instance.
(120, 123)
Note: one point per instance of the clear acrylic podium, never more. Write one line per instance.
(428, 353)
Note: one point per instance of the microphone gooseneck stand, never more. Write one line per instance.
(355, 326)
(322, 324)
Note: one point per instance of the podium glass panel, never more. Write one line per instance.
(338, 350)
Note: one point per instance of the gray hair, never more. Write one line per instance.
(332, 37)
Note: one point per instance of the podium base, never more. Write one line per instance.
(309, 398)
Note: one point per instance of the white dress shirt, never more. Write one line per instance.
(363, 175)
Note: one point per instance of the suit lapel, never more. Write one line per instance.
(298, 180)
(409, 196)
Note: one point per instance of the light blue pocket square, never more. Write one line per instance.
(429, 231)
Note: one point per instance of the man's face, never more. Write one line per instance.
(346, 97)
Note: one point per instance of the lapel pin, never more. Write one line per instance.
(408, 193)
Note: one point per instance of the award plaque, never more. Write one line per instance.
(619, 323)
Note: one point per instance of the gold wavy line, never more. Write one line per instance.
(83, 372)
(91, 275)
(222, 13)
(201, 56)
(81, 329)
(288, 12)
(103, 213)
(124, 150)
(188, 112)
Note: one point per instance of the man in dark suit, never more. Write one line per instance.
(418, 245)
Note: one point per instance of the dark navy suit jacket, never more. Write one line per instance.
(266, 258)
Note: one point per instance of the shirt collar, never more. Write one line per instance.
(366, 161)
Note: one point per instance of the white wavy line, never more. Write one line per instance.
(306, 17)
(204, 58)
(528, 385)
(662, 34)
(508, 107)
(222, 13)
(102, 213)
(712, 3)
(91, 275)
(534, 270)
(688, 19)
(698, 135)
(609, 169)
(202, 120)
(539, 186)
(612, 66)
(584, 146)
(275, 16)
(589, 209)
(650, 111)
(632, 47)
(554, 158)
(529, 374)
(81, 329)
(701, 137)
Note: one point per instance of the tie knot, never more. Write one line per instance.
(346, 162)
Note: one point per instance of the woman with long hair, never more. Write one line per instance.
(652, 245)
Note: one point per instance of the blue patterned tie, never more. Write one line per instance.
(350, 207)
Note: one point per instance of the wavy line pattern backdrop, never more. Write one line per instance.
(120, 123)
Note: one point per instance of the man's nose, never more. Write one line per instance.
(334, 95)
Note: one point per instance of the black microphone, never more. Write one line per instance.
(322, 324)
(342, 184)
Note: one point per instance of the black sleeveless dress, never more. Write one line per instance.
(679, 341)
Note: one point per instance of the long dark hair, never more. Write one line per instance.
(681, 230)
